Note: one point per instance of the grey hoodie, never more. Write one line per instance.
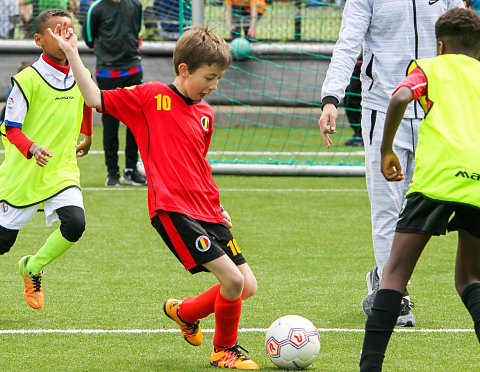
(393, 33)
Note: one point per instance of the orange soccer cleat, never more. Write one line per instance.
(232, 358)
(192, 333)
(33, 284)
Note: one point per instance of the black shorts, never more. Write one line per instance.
(196, 242)
(423, 215)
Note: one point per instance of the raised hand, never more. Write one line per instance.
(66, 38)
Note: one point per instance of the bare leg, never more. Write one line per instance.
(406, 250)
(229, 275)
(467, 265)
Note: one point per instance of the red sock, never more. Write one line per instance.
(198, 307)
(227, 318)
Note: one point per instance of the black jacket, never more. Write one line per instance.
(111, 29)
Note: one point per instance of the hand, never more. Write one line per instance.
(66, 38)
(327, 122)
(251, 32)
(41, 156)
(226, 218)
(391, 169)
(84, 146)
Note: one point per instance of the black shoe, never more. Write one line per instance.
(133, 178)
(354, 141)
(113, 180)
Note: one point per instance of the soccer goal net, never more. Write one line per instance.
(268, 103)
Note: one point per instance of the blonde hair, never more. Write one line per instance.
(200, 45)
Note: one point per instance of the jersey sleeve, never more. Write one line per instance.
(123, 103)
(16, 108)
(87, 121)
(416, 81)
(19, 140)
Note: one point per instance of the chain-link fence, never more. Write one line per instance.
(278, 20)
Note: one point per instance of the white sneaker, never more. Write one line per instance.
(406, 318)
(373, 282)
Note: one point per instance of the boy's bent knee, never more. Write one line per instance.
(7, 239)
(233, 286)
(249, 288)
(72, 222)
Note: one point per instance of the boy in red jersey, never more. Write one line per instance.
(173, 127)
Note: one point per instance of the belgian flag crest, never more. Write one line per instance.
(205, 123)
(203, 243)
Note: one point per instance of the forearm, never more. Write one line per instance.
(88, 88)
(395, 112)
(17, 138)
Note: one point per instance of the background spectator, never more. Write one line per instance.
(25, 9)
(243, 14)
(111, 28)
(164, 19)
(8, 18)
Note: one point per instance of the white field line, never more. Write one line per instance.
(242, 330)
(260, 153)
(227, 190)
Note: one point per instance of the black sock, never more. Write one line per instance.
(378, 329)
(471, 299)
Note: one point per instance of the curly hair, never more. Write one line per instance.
(459, 27)
(200, 45)
(44, 16)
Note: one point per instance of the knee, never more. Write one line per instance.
(7, 239)
(234, 285)
(249, 288)
(72, 222)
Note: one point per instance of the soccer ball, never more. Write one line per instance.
(292, 342)
(240, 48)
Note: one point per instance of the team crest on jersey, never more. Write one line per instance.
(4, 208)
(10, 101)
(203, 243)
(205, 123)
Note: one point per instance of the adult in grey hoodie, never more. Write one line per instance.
(392, 33)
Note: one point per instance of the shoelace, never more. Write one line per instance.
(37, 282)
(191, 329)
(238, 353)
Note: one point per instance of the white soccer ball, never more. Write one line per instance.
(292, 342)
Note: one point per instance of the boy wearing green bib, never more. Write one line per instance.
(44, 115)
(446, 180)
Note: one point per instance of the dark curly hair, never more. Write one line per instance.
(460, 28)
(44, 16)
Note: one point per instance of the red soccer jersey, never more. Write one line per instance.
(173, 137)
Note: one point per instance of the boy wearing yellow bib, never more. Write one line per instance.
(44, 115)
(446, 180)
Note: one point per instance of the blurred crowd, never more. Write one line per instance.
(163, 19)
